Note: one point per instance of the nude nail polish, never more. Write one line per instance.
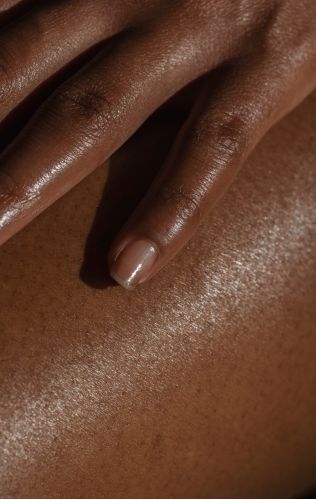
(133, 265)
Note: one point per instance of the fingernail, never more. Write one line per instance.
(133, 265)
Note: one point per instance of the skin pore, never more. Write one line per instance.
(200, 382)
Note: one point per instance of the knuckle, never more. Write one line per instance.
(10, 190)
(5, 73)
(7, 76)
(183, 201)
(222, 139)
(85, 107)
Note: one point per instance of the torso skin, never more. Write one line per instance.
(201, 382)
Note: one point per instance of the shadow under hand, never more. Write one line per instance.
(131, 171)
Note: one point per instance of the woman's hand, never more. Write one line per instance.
(267, 52)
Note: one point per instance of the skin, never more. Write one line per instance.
(199, 384)
(145, 52)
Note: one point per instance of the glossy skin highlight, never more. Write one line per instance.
(201, 383)
(103, 75)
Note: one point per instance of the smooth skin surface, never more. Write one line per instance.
(201, 383)
(102, 67)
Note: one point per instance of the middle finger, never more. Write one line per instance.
(46, 39)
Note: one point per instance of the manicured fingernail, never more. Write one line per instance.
(133, 265)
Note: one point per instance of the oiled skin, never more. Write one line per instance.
(199, 383)
(86, 74)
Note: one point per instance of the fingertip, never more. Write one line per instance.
(133, 263)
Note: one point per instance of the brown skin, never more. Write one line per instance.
(267, 52)
(202, 382)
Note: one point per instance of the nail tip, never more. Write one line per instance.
(120, 281)
(134, 264)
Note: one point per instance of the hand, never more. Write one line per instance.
(266, 50)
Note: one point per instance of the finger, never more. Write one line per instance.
(7, 5)
(46, 38)
(206, 157)
(89, 118)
